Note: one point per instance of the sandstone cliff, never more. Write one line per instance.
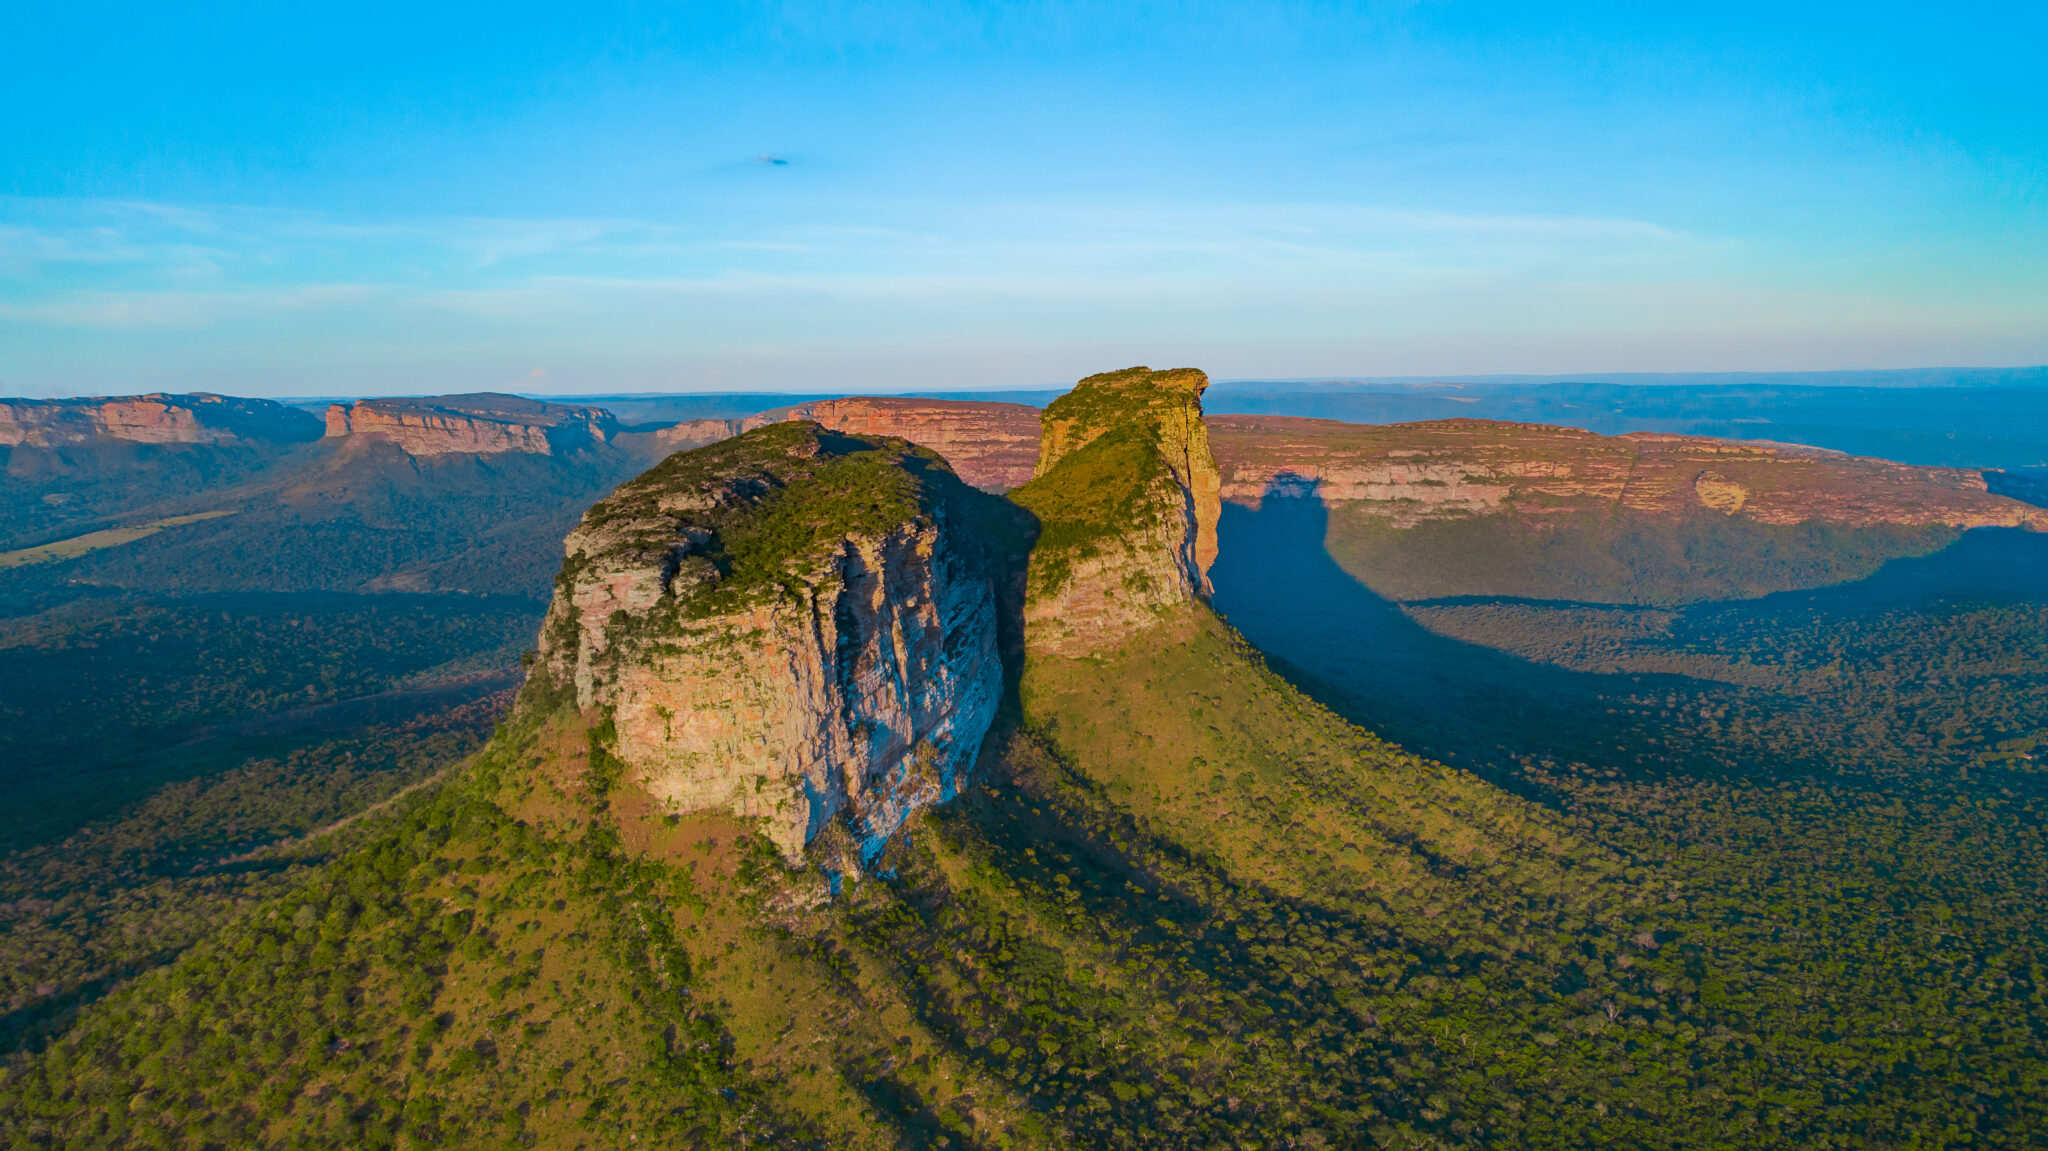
(1126, 492)
(480, 424)
(696, 434)
(993, 446)
(158, 418)
(1409, 474)
(793, 624)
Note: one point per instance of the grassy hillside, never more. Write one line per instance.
(1186, 906)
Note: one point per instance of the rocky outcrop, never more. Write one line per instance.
(1413, 473)
(794, 625)
(1127, 496)
(481, 424)
(158, 418)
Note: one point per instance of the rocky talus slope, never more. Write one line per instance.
(1126, 492)
(481, 424)
(1411, 473)
(198, 418)
(793, 624)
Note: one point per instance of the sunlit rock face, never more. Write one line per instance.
(1127, 493)
(199, 418)
(793, 625)
(993, 446)
(1410, 474)
(681, 437)
(482, 424)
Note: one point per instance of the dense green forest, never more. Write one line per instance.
(104, 701)
(1308, 938)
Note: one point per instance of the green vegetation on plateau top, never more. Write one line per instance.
(764, 508)
(764, 512)
(1090, 501)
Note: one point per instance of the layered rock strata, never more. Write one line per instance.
(480, 424)
(793, 624)
(1412, 473)
(993, 446)
(689, 434)
(158, 418)
(1127, 495)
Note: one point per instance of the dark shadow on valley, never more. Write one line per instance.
(1480, 708)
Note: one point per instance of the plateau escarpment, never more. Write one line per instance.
(480, 424)
(158, 418)
(1485, 508)
(793, 624)
(74, 466)
(681, 437)
(993, 446)
(1409, 473)
(1126, 493)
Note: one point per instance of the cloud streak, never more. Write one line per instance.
(96, 294)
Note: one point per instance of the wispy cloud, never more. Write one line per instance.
(123, 290)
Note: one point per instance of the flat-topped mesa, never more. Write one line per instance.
(681, 437)
(993, 446)
(1127, 497)
(1409, 474)
(480, 424)
(157, 418)
(793, 624)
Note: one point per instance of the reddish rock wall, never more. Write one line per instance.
(992, 446)
(1414, 472)
(479, 424)
(158, 418)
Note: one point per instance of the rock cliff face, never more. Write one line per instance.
(481, 424)
(793, 624)
(1413, 473)
(993, 446)
(696, 434)
(1127, 496)
(199, 418)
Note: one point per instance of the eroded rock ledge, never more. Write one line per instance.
(158, 418)
(480, 424)
(1409, 474)
(794, 624)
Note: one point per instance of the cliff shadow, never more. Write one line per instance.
(1462, 703)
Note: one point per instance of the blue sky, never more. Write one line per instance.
(303, 199)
